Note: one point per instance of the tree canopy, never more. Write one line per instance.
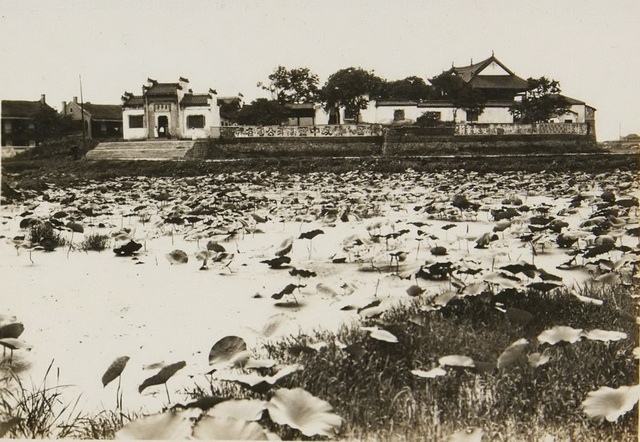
(229, 110)
(352, 88)
(452, 87)
(541, 102)
(49, 123)
(298, 85)
(410, 88)
(262, 112)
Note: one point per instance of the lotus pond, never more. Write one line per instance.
(139, 291)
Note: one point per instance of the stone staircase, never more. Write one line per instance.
(141, 150)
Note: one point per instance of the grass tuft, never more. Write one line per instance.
(41, 412)
(376, 394)
(96, 242)
(45, 235)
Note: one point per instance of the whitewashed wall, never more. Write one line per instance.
(321, 117)
(193, 133)
(385, 114)
(446, 113)
(493, 115)
(129, 133)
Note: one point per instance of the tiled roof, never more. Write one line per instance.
(473, 74)
(134, 101)
(467, 72)
(396, 103)
(499, 103)
(573, 100)
(104, 111)
(163, 89)
(435, 103)
(228, 99)
(21, 108)
(195, 100)
(443, 103)
(300, 105)
(499, 82)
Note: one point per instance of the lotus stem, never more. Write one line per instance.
(70, 244)
(167, 390)
(118, 401)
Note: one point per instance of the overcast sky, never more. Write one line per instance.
(591, 47)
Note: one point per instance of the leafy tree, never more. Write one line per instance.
(262, 112)
(49, 123)
(298, 85)
(540, 102)
(411, 88)
(229, 110)
(429, 119)
(351, 88)
(452, 87)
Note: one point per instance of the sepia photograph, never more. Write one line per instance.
(301, 220)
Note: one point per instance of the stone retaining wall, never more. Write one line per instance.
(288, 147)
(407, 144)
(394, 142)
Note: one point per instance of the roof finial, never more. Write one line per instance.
(492, 53)
(471, 61)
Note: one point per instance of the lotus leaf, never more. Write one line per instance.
(114, 370)
(560, 333)
(611, 403)
(227, 428)
(172, 425)
(299, 409)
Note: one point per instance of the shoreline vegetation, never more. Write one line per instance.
(513, 401)
(29, 172)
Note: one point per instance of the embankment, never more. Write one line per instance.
(408, 141)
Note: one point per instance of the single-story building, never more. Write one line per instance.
(306, 114)
(101, 120)
(23, 122)
(579, 112)
(499, 84)
(169, 110)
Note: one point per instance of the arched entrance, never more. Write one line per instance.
(163, 126)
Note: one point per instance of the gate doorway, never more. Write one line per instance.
(163, 126)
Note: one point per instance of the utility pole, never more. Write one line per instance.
(620, 131)
(82, 112)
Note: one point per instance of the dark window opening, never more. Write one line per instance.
(351, 115)
(195, 121)
(136, 121)
(472, 116)
(398, 115)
